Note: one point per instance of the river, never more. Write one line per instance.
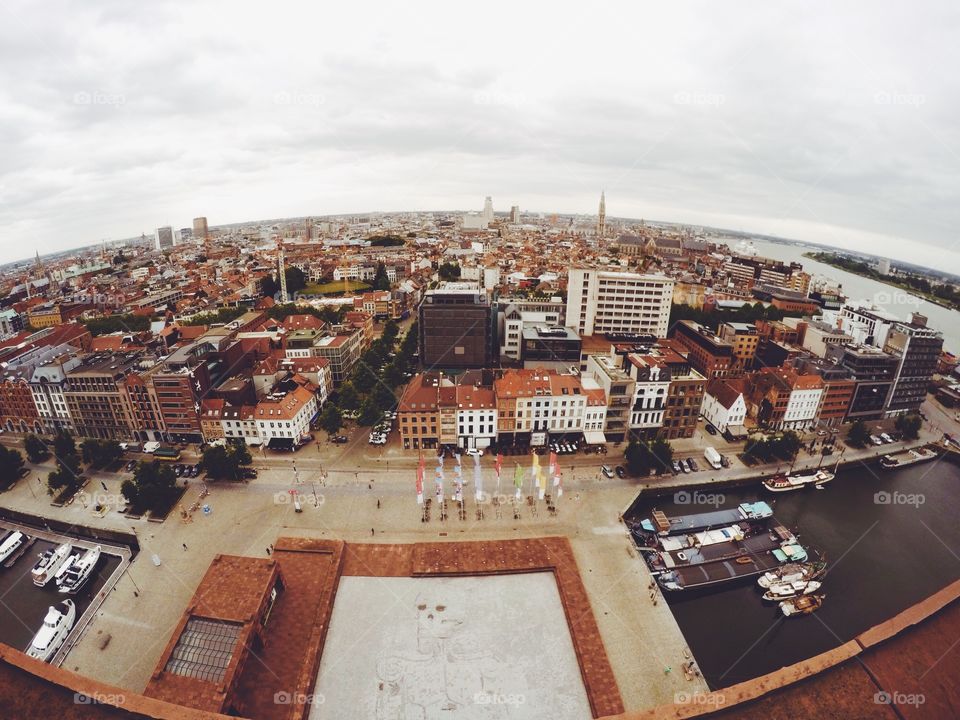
(888, 297)
(882, 558)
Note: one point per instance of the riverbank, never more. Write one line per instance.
(827, 259)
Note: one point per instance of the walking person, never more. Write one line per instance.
(184, 547)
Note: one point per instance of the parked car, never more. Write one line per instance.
(605, 469)
(621, 473)
(677, 467)
(475, 451)
(711, 429)
(724, 461)
(248, 474)
(886, 438)
(339, 439)
(693, 464)
(875, 440)
(685, 466)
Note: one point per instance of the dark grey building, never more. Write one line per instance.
(874, 372)
(918, 349)
(550, 343)
(456, 328)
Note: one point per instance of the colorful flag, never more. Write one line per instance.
(553, 463)
(457, 456)
(420, 470)
(478, 481)
(499, 465)
(558, 483)
(518, 479)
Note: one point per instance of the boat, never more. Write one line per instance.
(660, 524)
(11, 543)
(802, 605)
(79, 571)
(908, 457)
(783, 482)
(50, 563)
(788, 590)
(56, 626)
(791, 573)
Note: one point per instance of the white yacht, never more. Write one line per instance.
(786, 590)
(11, 543)
(50, 563)
(79, 571)
(56, 626)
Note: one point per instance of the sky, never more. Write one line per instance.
(831, 123)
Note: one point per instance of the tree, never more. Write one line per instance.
(152, 487)
(642, 456)
(369, 412)
(380, 279)
(390, 332)
(63, 444)
(226, 462)
(100, 453)
(449, 271)
(11, 464)
(393, 373)
(788, 445)
(858, 435)
(296, 280)
(36, 448)
(330, 419)
(909, 426)
(383, 396)
(349, 399)
(662, 453)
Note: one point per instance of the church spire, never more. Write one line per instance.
(602, 216)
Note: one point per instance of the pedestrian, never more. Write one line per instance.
(104, 485)
(184, 546)
(268, 550)
(378, 503)
(371, 531)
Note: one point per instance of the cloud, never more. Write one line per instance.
(835, 127)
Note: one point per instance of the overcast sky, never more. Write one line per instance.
(830, 124)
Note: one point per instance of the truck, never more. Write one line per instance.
(712, 457)
(150, 447)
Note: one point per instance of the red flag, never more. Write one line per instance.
(499, 464)
(420, 469)
(553, 462)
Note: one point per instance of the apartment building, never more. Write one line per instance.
(745, 340)
(603, 301)
(873, 371)
(418, 412)
(651, 389)
(618, 387)
(918, 349)
(95, 396)
(46, 384)
(709, 354)
(283, 417)
(513, 314)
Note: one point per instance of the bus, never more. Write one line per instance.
(167, 454)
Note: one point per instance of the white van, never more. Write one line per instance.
(151, 447)
(712, 457)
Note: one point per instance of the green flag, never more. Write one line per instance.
(518, 477)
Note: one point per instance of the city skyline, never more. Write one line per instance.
(846, 141)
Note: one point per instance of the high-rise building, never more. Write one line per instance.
(918, 348)
(488, 209)
(515, 215)
(456, 327)
(601, 301)
(200, 228)
(164, 237)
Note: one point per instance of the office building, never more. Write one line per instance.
(601, 301)
(456, 327)
(164, 237)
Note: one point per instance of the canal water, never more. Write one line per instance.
(891, 539)
(23, 605)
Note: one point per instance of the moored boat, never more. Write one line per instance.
(802, 605)
(784, 482)
(79, 571)
(56, 626)
(907, 457)
(786, 591)
(660, 524)
(792, 572)
(50, 563)
(11, 543)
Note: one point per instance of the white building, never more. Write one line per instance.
(285, 420)
(723, 404)
(649, 394)
(600, 301)
(801, 412)
(46, 385)
(476, 416)
(515, 313)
